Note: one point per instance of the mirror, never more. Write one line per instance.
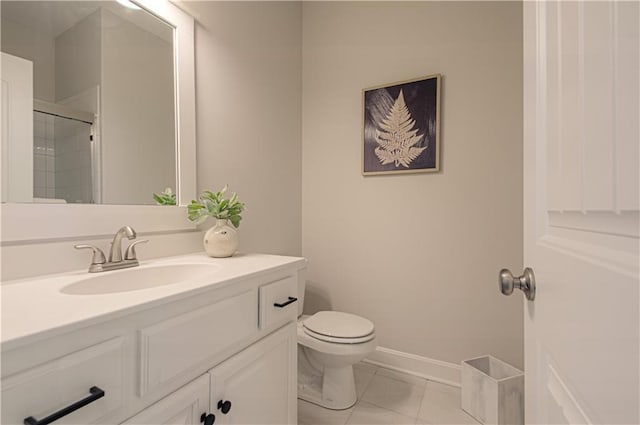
(104, 102)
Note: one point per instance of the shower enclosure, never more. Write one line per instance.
(64, 154)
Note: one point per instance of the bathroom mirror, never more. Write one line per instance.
(24, 221)
(106, 102)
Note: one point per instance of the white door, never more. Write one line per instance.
(185, 406)
(581, 206)
(16, 128)
(259, 384)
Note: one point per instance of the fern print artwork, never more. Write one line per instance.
(398, 136)
(401, 127)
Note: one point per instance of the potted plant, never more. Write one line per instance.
(222, 239)
(165, 198)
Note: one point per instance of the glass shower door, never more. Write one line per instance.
(62, 159)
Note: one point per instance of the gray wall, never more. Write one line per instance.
(78, 57)
(138, 131)
(417, 254)
(248, 102)
(32, 44)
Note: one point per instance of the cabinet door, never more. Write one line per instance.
(184, 407)
(259, 382)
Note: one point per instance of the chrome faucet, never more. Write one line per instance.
(100, 264)
(115, 254)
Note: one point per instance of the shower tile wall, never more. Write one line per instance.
(61, 159)
(44, 178)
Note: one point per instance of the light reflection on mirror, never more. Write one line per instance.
(104, 128)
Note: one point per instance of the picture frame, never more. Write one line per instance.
(401, 127)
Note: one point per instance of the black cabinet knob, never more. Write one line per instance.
(208, 419)
(224, 406)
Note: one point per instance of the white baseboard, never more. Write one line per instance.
(434, 370)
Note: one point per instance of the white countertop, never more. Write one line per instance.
(36, 308)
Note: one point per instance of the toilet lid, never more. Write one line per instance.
(336, 324)
(337, 340)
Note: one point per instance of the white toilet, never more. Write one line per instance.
(329, 344)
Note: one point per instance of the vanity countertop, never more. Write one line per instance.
(36, 308)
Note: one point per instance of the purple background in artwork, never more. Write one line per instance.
(420, 97)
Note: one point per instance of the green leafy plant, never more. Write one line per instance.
(165, 198)
(215, 205)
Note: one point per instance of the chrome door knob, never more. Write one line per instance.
(526, 283)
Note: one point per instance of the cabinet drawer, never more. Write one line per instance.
(277, 303)
(50, 387)
(184, 406)
(170, 348)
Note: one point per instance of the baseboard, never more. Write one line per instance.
(435, 370)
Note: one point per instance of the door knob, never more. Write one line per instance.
(526, 283)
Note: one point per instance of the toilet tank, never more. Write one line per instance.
(302, 284)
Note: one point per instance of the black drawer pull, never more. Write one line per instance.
(286, 303)
(96, 393)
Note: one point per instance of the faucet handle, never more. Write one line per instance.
(98, 255)
(130, 253)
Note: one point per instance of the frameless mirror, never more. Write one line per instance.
(104, 95)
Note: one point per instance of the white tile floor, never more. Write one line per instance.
(387, 397)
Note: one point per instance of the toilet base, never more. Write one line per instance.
(334, 388)
(325, 370)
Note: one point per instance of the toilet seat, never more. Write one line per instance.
(339, 328)
(345, 349)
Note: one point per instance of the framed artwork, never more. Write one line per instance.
(401, 127)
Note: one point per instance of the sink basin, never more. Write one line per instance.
(138, 278)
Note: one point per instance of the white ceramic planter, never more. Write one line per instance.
(221, 240)
(493, 391)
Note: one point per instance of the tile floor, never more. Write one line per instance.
(387, 397)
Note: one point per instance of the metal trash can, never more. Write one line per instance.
(493, 391)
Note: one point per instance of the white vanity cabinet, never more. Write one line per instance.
(255, 386)
(228, 348)
(184, 406)
(258, 385)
